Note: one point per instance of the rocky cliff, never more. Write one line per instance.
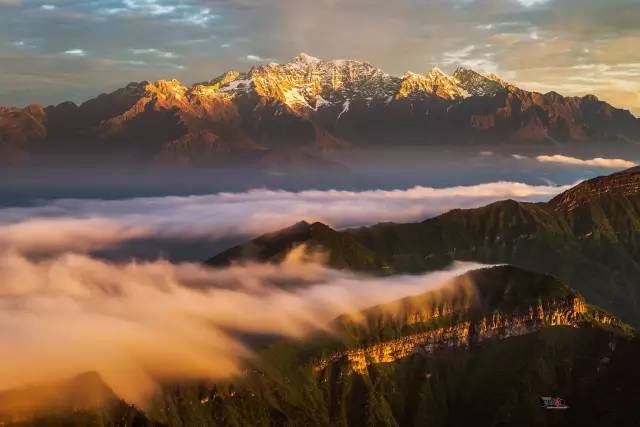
(568, 311)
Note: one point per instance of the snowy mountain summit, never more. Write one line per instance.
(309, 82)
(313, 103)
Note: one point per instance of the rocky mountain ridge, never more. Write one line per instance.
(570, 311)
(310, 104)
(488, 304)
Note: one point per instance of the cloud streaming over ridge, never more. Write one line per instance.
(138, 324)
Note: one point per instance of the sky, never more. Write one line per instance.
(57, 50)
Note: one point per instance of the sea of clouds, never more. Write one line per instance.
(64, 310)
(139, 324)
(88, 224)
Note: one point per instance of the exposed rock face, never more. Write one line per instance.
(313, 103)
(569, 311)
(478, 85)
(487, 304)
(435, 83)
(308, 82)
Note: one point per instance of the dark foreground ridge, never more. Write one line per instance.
(479, 351)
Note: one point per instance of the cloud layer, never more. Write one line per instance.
(138, 324)
(85, 224)
(64, 311)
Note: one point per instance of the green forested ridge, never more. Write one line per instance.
(594, 247)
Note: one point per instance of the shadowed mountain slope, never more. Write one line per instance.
(81, 400)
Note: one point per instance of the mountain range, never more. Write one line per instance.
(307, 105)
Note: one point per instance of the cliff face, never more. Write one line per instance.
(569, 311)
(489, 304)
(313, 103)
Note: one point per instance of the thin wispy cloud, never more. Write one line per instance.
(201, 18)
(597, 162)
(76, 52)
(154, 52)
(530, 3)
(257, 58)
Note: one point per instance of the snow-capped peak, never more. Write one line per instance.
(437, 72)
(477, 84)
(445, 85)
(496, 78)
(304, 58)
(307, 83)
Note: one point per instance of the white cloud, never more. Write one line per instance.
(152, 7)
(470, 56)
(76, 52)
(47, 235)
(154, 52)
(48, 7)
(257, 58)
(253, 212)
(530, 3)
(458, 55)
(598, 162)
